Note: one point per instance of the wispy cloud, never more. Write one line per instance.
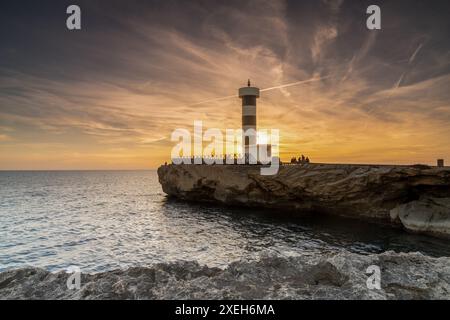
(117, 89)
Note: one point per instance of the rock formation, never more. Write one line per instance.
(416, 197)
(338, 276)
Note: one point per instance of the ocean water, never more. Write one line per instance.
(104, 220)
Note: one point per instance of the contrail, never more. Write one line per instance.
(262, 90)
(399, 81)
(411, 60)
(294, 83)
(415, 53)
(211, 100)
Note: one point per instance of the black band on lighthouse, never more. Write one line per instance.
(249, 101)
(248, 120)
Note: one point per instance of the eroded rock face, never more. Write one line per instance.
(338, 276)
(430, 215)
(396, 194)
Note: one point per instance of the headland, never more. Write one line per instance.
(416, 197)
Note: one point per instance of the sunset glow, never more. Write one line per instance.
(109, 96)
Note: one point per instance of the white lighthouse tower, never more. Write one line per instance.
(249, 95)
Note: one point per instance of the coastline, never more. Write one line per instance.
(416, 198)
(334, 276)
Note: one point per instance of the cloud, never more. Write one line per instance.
(139, 71)
(4, 137)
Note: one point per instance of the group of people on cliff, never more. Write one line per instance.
(210, 160)
(301, 160)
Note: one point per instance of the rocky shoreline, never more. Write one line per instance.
(335, 276)
(414, 197)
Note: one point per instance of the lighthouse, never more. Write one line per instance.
(249, 95)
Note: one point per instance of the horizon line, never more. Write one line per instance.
(284, 163)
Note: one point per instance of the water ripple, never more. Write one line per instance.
(107, 220)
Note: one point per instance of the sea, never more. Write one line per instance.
(105, 220)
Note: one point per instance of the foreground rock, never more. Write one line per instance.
(417, 197)
(339, 276)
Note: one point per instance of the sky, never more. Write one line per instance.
(108, 96)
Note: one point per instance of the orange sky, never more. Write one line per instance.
(110, 97)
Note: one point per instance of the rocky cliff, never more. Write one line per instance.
(338, 276)
(415, 197)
